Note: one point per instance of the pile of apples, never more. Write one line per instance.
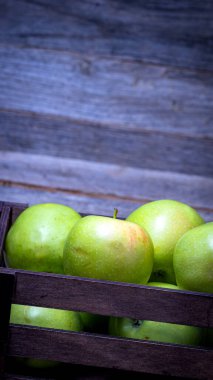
(163, 243)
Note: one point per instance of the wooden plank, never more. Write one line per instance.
(78, 372)
(89, 178)
(115, 94)
(4, 225)
(162, 32)
(81, 202)
(110, 352)
(7, 281)
(112, 298)
(37, 134)
(10, 211)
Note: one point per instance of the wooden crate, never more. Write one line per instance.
(106, 355)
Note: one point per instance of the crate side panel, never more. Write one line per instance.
(113, 298)
(103, 351)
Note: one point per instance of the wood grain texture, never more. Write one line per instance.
(9, 211)
(112, 298)
(106, 91)
(163, 32)
(103, 180)
(4, 225)
(110, 352)
(37, 134)
(81, 202)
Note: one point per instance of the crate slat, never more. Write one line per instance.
(112, 298)
(6, 290)
(5, 211)
(111, 352)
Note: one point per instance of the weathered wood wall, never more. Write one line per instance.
(106, 103)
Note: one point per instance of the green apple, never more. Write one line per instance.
(156, 331)
(36, 240)
(44, 317)
(165, 221)
(193, 259)
(108, 249)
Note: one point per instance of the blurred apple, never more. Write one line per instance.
(193, 259)
(44, 317)
(156, 331)
(108, 249)
(36, 240)
(165, 221)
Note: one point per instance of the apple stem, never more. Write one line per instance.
(115, 213)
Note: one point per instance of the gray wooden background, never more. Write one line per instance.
(106, 104)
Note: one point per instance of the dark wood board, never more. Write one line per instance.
(4, 225)
(77, 372)
(161, 32)
(112, 298)
(6, 291)
(110, 352)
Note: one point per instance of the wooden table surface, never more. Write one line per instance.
(106, 104)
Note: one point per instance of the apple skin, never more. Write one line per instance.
(44, 317)
(36, 240)
(193, 259)
(156, 331)
(165, 221)
(108, 249)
